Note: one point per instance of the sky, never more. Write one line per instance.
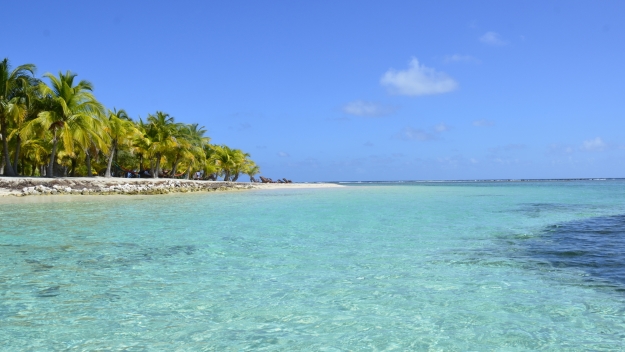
(356, 90)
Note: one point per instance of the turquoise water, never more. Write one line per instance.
(441, 267)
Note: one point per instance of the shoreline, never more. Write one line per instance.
(40, 186)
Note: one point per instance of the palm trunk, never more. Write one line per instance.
(8, 169)
(18, 144)
(50, 172)
(157, 167)
(2, 166)
(174, 167)
(108, 167)
(88, 162)
(227, 175)
(236, 177)
(73, 173)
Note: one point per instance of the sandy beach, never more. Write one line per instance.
(36, 186)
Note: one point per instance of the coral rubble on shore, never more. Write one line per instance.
(93, 186)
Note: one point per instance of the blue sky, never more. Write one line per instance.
(355, 90)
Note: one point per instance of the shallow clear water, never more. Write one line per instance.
(463, 266)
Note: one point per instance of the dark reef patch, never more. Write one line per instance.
(595, 245)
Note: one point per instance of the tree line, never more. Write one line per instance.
(60, 129)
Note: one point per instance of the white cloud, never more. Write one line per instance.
(483, 123)
(492, 38)
(367, 109)
(460, 58)
(417, 80)
(442, 127)
(283, 154)
(594, 145)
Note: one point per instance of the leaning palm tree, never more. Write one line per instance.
(12, 84)
(211, 165)
(251, 169)
(223, 157)
(241, 162)
(121, 131)
(230, 161)
(73, 108)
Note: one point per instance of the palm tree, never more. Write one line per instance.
(210, 166)
(230, 161)
(190, 146)
(241, 162)
(160, 131)
(141, 143)
(35, 152)
(181, 149)
(12, 84)
(31, 104)
(121, 131)
(72, 116)
(91, 139)
(222, 155)
(251, 170)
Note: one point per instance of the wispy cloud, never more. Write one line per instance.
(283, 154)
(417, 80)
(417, 134)
(483, 123)
(460, 58)
(594, 145)
(493, 38)
(367, 109)
(590, 145)
(412, 134)
(442, 127)
(560, 149)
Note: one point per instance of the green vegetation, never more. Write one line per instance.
(60, 129)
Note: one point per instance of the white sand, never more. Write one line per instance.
(294, 185)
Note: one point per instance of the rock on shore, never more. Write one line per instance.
(26, 186)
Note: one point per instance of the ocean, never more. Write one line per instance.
(459, 266)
